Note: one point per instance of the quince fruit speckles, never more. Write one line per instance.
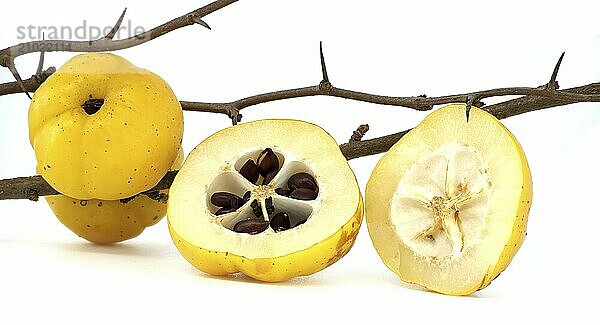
(104, 129)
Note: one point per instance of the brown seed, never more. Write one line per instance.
(303, 180)
(226, 200)
(225, 211)
(256, 209)
(250, 171)
(269, 177)
(303, 194)
(282, 192)
(251, 226)
(267, 162)
(280, 222)
(246, 197)
(269, 205)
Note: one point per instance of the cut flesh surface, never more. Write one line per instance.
(213, 166)
(447, 206)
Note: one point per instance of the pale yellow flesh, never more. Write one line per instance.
(326, 236)
(498, 217)
(278, 268)
(123, 149)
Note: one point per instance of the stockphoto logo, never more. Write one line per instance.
(83, 32)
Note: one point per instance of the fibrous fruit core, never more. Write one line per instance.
(441, 201)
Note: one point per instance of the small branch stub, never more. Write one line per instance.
(359, 133)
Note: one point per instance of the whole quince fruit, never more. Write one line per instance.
(447, 205)
(104, 129)
(107, 222)
(273, 199)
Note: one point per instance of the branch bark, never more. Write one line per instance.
(33, 187)
(421, 103)
(9, 54)
(542, 97)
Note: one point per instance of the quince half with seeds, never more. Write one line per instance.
(447, 205)
(273, 199)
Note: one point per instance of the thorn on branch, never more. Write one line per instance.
(15, 73)
(201, 22)
(553, 84)
(324, 84)
(422, 96)
(359, 133)
(472, 100)
(40, 67)
(115, 28)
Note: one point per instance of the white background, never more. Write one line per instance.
(48, 275)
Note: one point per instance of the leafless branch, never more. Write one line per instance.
(30, 84)
(33, 187)
(420, 103)
(107, 43)
(533, 99)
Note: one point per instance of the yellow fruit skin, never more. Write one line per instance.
(277, 269)
(123, 149)
(107, 222)
(520, 228)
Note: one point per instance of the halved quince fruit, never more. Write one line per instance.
(447, 206)
(104, 129)
(273, 199)
(107, 222)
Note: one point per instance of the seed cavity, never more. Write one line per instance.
(264, 206)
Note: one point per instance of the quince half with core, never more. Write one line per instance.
(273, 199)
(447, 205)
(104, 129)
(107, 222)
